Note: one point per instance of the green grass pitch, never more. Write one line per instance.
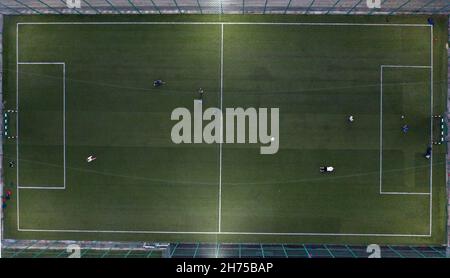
(82, 85)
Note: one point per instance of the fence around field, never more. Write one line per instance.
(225, 6)
(388, 7)
(94, 249)
(86, 249)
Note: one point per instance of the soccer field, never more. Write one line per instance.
(83, 85)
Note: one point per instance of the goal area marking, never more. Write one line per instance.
(381, 131)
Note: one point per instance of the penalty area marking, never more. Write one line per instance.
(381, 131)
(431, 68)
(64, 127)
(181, 232)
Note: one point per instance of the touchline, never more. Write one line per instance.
(235, 126)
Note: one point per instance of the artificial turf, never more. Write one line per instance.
(144, 187)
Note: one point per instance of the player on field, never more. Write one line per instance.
(158, 83)
(326, 169)
(428, 153)
(8, 194)
(201, 93)
(405, 128)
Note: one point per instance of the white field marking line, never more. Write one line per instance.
(176, 232)
(17, 126)
(64, 123)
(225, 233)
(381, 131)
(64, 129)
(221, 130)
(405, 66)
(42, 187)
(431, 128)
(221, 23)
(381, 126)
(404, 193)
(41, 63)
